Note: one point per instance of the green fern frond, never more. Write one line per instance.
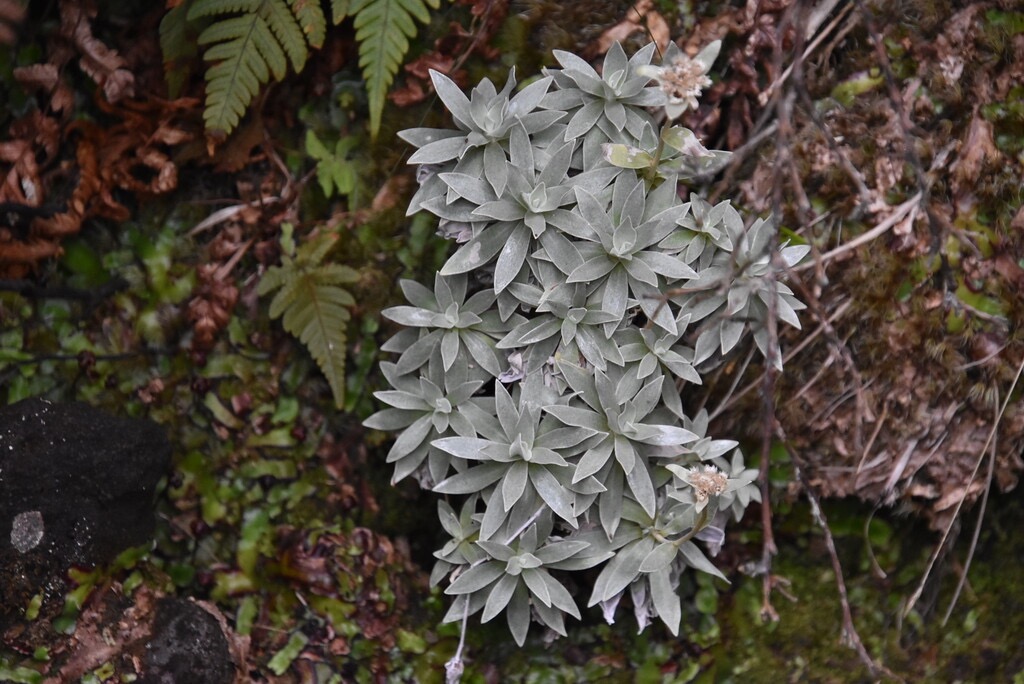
(178, 49)
(311, 20)
(259, 41)
(287, 30)
(313, 307)
(383, 30)
(209, 8)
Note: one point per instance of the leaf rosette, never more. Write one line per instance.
(523, 458)
(424, 408)
(540, 380)
(516, 578)
(455, 329)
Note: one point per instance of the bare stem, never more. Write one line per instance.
(848, 635)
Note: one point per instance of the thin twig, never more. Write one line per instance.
(876, 568)
(849, 635)
(454, 667)
(936, 224)
(977, 525)
(813, 22)
(773, 356)
(726, 405)
(800, 84)
(956, 512)
(897, 216)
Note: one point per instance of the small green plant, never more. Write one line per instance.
(250, 41)
(335, 171)
(312, 305)
(256, 40)
(539, 381)
(383, 29)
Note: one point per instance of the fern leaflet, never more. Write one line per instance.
(178, 47)
(312, 305)
(383, 30)
(258, 41)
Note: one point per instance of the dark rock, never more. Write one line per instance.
(76, 488)
(149, 638)
(188, 645)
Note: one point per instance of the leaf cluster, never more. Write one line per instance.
(335, 170)
(249, 42)
(313, 306)
(383, 30)
(541, 377)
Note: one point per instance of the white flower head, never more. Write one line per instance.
(682, 78)
(707, 481)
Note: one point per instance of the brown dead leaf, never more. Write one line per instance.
(21, 183)
(238, 645)
(1018, 219)
(11, 14)
(414, 89)
(45, 78)
(26, 253)
(1009, 269)
(409, 94)
(102, 64)
(640, 17)
(978, 150)
(42, 131)
(168, 134)
(41, 76)
(238, 151)
(451, 50)
(391, 193)
(210, 308)
(97, 639)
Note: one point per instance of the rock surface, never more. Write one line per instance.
(187, 645)
(77, 489)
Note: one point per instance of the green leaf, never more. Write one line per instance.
(560, 596)
(665, 599)
(314, 308)
(626, 156)
(559, 551)
(283, 659)
(514, 484)
(469, 448)
(564, 376)
(554, 494)
(177, 48)
(621, 570)
(472, 480)
(476, 578)
(20, 675)
(660, 558)
(696, 559)
(258, 41)
(499, 597)
(336, 173)
(221, 412)
(311, 20)
(339, 10)
(495, 550)
(534, 579)
(383, 29)
(518, 614)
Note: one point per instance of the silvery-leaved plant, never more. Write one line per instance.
(541, 386)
